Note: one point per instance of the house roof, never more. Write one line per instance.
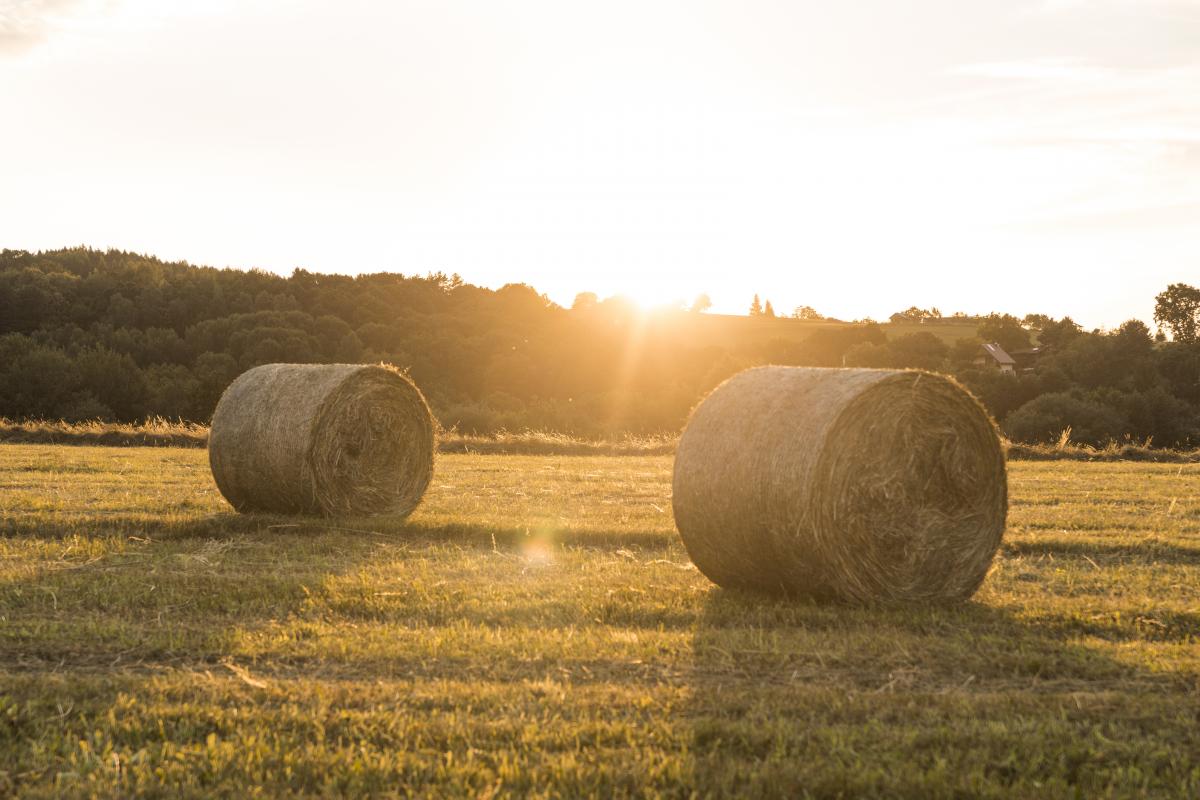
(997, 352)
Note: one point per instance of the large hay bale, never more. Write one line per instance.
(851, 484)
(333, 439)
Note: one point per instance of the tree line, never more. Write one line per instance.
(89, 334)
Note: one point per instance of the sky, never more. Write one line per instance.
(861, 157)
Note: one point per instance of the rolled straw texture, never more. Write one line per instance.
(847, 484)
(329, 439)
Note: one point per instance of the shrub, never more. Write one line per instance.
(1161, 417)
(84, 407)
(1043, 419)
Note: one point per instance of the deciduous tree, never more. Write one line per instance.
(1178, 308)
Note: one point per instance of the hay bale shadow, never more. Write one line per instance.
(821, 700)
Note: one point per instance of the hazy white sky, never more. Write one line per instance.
(859, 157)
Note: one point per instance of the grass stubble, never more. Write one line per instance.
(535, 629)
(161, 432)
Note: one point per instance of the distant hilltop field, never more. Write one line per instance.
(723, 328)
(117, 337)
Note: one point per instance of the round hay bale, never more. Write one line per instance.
(331, 439)
(859, 485)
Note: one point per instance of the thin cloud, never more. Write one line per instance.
(1151, 216)
(1158, 102)
(1061, 69)
(1075, 100)
(26, 23)
(1128, 137)
(1182, 7)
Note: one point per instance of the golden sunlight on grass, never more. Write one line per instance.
(536, 629)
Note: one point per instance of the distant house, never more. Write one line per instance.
(993, 355)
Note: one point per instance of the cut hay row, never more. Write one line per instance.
(848, 484)
(158, 432)
(152, 432)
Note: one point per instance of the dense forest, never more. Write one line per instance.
(86, 334)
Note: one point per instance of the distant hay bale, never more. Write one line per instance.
(849, 484)
(331, 439)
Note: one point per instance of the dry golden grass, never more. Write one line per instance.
(534, 629)
(156, 432)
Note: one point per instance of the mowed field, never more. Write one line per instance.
(535, 629)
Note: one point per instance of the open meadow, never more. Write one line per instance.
(536, 629)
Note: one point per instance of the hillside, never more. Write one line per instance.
(117, 336)
(760, 330)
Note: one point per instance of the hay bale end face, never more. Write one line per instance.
(330, 439)
(848, 484)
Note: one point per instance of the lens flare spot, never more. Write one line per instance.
(538, 547)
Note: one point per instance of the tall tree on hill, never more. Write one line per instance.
(806, 312)
(914, 314)
(756, 308)
(1178, 308)
(1005, 330)
(1052, 332)
(769, 310)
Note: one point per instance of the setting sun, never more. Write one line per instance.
(729, 150)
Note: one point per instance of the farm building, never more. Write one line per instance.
(993, 355)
